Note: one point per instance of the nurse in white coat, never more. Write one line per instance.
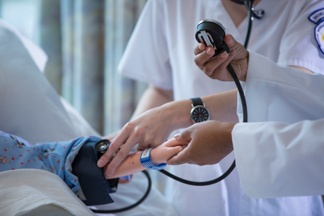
(160, 53)
(283, 157)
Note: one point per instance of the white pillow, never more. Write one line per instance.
(30, 107)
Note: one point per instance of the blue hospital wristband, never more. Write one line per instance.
(146, 160)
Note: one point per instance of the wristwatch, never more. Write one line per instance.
(199, 112)
(146, 160)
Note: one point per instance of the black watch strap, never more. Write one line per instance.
(197, 101)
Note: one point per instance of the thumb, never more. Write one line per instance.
(184, 136)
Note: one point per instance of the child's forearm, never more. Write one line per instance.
(158, 156)
(130, 165)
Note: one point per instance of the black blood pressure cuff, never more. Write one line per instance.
(95, 187)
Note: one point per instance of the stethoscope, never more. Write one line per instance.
(211, 33)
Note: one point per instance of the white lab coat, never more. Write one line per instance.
(160, 52)
(283, 157)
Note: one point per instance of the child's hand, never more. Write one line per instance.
(167, 150)
(208, 143)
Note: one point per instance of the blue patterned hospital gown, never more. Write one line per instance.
(56, 157)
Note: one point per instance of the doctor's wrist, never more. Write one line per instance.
(227, 128)
(177, 114)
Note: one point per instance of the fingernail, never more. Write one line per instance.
(224, 55)
(201, 46)
(100, 163)
(210, 51)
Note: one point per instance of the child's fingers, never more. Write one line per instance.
(175, 142)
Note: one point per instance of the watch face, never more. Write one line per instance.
(199, 114)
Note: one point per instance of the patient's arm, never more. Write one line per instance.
(56, 157)
(160, 154)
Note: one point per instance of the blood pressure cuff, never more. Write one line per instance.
(95, 187)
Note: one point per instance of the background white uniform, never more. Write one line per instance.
(160, 52)
(283, 159)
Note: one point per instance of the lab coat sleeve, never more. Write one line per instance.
(278, 159)
(279, 152)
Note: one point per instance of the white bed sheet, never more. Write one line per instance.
(37, 192)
